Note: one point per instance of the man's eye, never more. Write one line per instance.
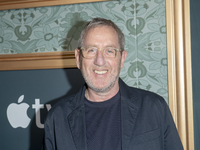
(110, 50)
(92, 50)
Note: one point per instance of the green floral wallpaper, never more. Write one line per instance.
(57, 28)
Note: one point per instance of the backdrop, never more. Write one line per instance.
(25, 98)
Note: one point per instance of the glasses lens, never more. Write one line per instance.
(90, 52)
(110, 52)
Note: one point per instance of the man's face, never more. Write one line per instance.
(101, 74)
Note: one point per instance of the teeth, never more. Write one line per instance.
(100, 72)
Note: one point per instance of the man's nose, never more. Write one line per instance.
(99, 60)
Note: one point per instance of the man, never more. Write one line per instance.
(106, 114)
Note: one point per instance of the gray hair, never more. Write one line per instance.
(101, 22)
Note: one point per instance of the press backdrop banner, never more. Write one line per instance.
(26, 97)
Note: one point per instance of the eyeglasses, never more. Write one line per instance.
(91, 52)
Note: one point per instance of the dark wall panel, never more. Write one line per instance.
(25, 97)
(195, 42)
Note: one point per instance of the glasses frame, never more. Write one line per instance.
(99, 49)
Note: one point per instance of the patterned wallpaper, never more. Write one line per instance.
(57, 28)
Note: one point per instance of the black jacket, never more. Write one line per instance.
(146, 122)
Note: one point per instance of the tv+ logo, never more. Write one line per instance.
(17, 113)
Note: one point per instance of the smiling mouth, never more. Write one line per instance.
(100, 72)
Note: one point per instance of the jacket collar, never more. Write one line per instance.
(129, 111)
(77, 120)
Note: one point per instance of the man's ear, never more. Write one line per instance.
(77, 55)
(124, 55)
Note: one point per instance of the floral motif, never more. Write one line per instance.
(74, 23)
(23, 32)
(159, 1)
(2, 24)
(43, 10)
(159, 30)
(136, 48)
(28, 15)
(24, 16)
(137, 70)
(4, 40)
(110, 5)
(140, 83)
(130, 8)
(141, 7)
(160, 62)
(2, 13)
(47, 37)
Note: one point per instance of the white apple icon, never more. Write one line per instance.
(17, 114)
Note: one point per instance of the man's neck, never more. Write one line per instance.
(91, 95)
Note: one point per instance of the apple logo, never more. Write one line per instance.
(17, 114)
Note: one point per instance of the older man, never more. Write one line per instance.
(106, 114)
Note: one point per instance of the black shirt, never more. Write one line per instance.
(103, 124)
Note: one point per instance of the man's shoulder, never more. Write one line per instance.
(62, 104)
(66, 104)
(142, 98)
(137, 93)
(146, 93)
(145, 102)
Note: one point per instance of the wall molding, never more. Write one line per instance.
(179, 69)
(46, 60)
(17, 4)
